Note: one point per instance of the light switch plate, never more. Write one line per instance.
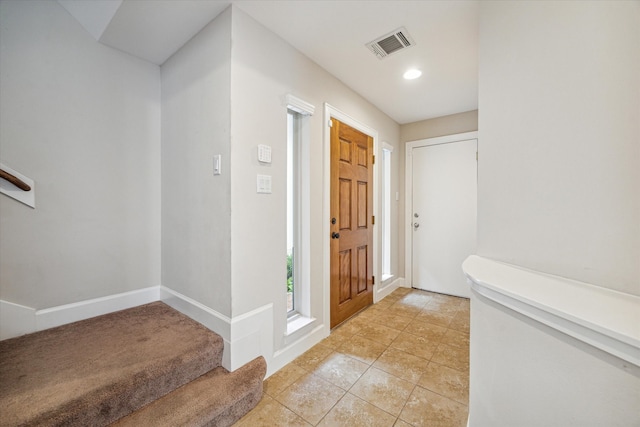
(264, 184)
(264, 153)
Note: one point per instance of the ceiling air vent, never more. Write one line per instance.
(391, 43)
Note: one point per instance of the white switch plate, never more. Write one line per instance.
(264, 184)
(264, 153)
(217, 163)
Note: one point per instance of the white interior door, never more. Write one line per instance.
(444, 202)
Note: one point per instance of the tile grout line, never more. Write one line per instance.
(359, 330)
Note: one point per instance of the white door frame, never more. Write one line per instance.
(332, 112)
(408, 167)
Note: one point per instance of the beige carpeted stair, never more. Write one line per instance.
(97, 371)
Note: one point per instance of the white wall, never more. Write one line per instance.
(83, 121)
(440, 126)
(559, 123)
(264, 69)
(196, 207)
(558, 192)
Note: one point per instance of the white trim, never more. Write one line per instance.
(18, 320)
(294, 324)
(251, 336)
(408, 167)
(385, 290)
(245, 336)
(601, 317)
(217, 322)
(68, 313)
(290, 352)
(332, 112)
(299, 106)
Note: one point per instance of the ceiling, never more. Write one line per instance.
(332, 33)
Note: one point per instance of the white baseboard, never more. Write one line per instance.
(16, 320)
(217, 322)
(289, 353)
(246, 336)
(68, 313)
(251, 336)
(385, 290)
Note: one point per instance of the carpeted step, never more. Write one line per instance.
(218, 398)
(96, 371)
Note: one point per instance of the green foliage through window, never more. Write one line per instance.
(290, 273)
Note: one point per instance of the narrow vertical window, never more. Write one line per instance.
(298, 215)
(292, 208)
(386, 211)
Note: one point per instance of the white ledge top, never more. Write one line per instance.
(604, 318)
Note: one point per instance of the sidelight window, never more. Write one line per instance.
(293, 209)
(386, 211)
(298, 215)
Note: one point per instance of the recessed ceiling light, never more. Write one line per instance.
(412, 74)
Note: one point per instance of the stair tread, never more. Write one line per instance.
(97, 370)
(217, 398)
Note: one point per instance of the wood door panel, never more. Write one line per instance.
(345, 151)
(362, 205)
(362, 156)
(362, 269)
(345, 211)
(352, 230)
(345, 276)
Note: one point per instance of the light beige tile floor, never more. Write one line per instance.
(401, 362)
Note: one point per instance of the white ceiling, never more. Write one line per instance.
(332, 33)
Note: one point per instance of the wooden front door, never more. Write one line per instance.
(351, 221)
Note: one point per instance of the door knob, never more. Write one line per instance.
(335, 235)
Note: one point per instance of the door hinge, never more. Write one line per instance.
(373, 280)
(373, 160)
(476, 156)
(330, 123)
(373, 219)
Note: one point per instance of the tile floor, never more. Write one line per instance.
(401, 362)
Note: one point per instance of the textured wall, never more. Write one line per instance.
(83, 121)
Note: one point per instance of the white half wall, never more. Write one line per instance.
(532, 375)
